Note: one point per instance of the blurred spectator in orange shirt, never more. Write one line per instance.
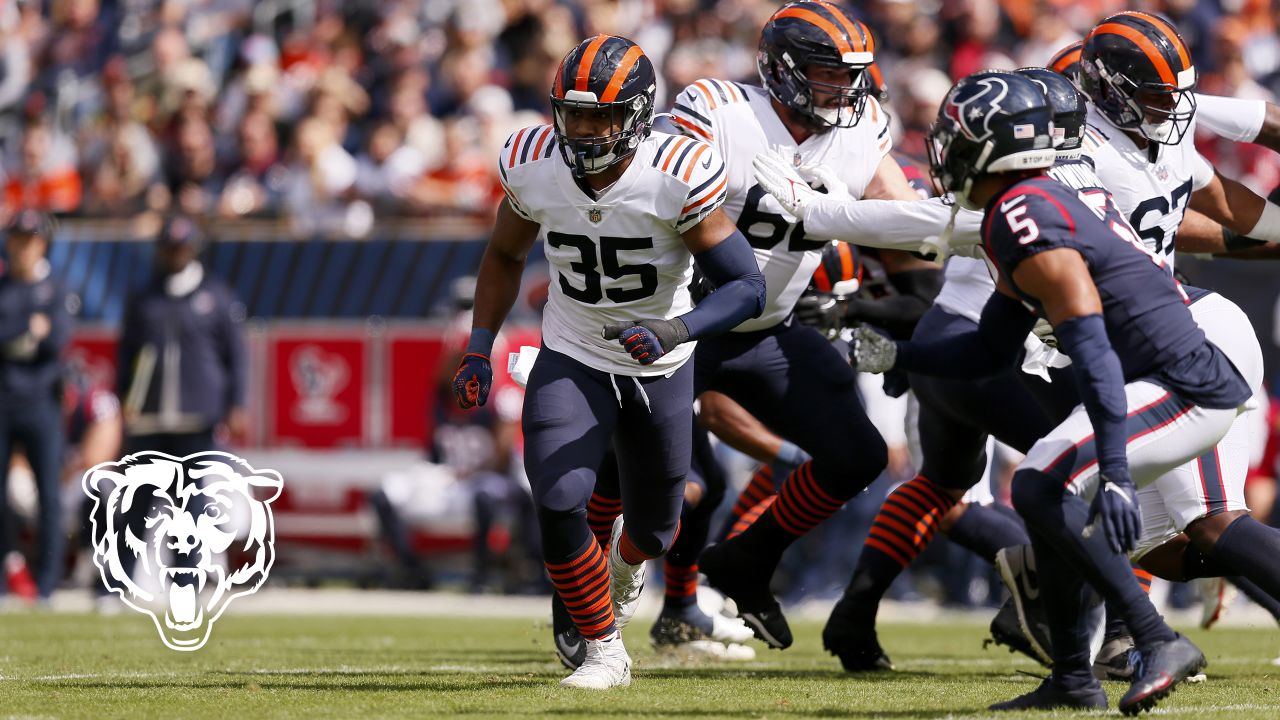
(44, 177)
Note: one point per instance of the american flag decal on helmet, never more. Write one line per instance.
(1023, 132)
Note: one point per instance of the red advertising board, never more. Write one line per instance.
(319, 383)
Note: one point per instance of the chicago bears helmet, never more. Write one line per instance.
(990, 122)
(1068, 108)
(1066, 61)
(1137, 71)
(812, 34)
(840, 271)
(608, 74)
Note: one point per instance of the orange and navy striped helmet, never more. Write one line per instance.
(605, 78)
(840, 271)
(809, 34)
(1138, 72)
(1067, 61)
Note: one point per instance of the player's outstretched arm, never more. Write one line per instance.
(903, 222)
(1255, 121)
(1200, 234)
(1238, 209)
(726, 259)
(992, 347)
(742, 431)
(497, 286)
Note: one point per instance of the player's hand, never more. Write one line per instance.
(782, 180)
(871, 351)
(820, 311)
(472, 381)
(1044, 331)
(647, 340)
(39, 326)
(822, 178)
(1115, 510)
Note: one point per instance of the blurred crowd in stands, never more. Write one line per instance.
(332, 112)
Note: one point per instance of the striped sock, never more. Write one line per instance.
(908, 520)
(750, 516)
(602, 510)
(633, 555)
(583, 584)
(802, 504)
(1144, 578)
(758, 488)
(682, 584)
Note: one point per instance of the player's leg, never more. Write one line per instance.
(793, 380)
(1051, 490)
(605, 504)
(570, 412)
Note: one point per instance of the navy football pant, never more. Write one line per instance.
(572, 413)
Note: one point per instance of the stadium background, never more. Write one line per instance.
(342, 158)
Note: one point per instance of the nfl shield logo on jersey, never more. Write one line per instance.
(594, 215)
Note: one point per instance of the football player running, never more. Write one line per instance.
(625, 213)
(815, 105)
(1156, 393)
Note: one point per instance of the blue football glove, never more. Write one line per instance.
(647, 340)
(472, 380)
(1115, 509)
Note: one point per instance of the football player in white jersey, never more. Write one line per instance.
(625, 214)
(815, 106)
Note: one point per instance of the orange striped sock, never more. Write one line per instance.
(633, 555)
(602, 510)
(682, 583)
(750, 516)
(758, 488)
(583, 585)
(802, 504)
(908, 519)
(1144, 578)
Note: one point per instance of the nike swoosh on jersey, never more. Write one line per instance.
(706, 163)
(1008, 205)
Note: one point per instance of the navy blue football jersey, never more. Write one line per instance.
(1143, 306)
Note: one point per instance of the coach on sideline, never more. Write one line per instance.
(182, 366)
(34, 328)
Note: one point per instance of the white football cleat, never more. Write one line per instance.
(626, 581)
(607, 666)
(1216, 594)
(730, 630)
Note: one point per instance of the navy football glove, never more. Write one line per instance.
(1115, 508)
(647, 340)
(472, 380)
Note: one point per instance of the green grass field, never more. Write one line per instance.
(54, 665)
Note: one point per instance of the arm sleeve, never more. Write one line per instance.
(891, 224)
(1100, 380)
(739, 288)
(986, 351)
(1231, 118)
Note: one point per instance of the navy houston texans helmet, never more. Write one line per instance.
(603, 73)
(1068, 108)
(990, 122)
(814, 33)
(1137, 71)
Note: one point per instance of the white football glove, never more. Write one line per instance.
(872, 352)
(820, 175)
(782, 180)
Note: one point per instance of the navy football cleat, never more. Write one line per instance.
(570, 648)
(1157, 672)
(1007, 630)
(1050, 695)
(737, 578)
(856, 646)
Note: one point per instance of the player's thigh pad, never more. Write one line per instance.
(1163, 430)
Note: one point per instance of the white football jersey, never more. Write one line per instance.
(740, 122)
(1153, 196)
(619, 257)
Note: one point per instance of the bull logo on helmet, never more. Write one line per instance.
(973, 106)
